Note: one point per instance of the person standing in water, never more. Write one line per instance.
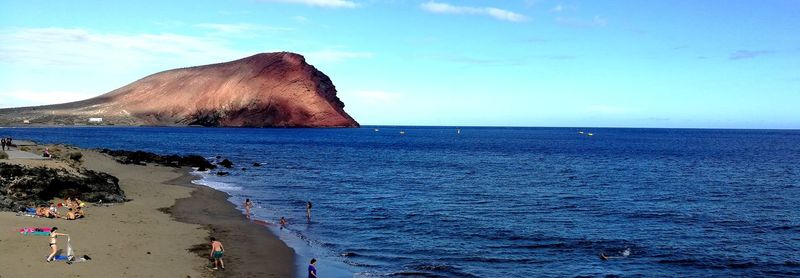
(217, 251)
(312, 269)
(308, 210)
(53, 246)
(247, 206)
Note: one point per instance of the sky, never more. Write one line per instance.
(672, 64)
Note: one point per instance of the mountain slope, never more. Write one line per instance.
(263, 90)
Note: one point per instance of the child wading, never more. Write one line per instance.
(216, 253)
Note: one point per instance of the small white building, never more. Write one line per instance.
(26, 122)
(95, 120)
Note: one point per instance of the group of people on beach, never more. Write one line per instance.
(248, 206)
(75, 209)
(6, 143)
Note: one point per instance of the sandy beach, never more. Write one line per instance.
(144, 237)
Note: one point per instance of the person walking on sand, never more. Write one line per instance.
(217, 251)
(247, 206)
(3, 142)
(308, 210)
(53, 246)
(312, 269)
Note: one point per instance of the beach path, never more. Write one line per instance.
(17, 154)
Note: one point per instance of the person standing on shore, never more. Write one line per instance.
(3, 142)
(312, 269)
(308, 210)
(53, 246)
(247, 206)
(217, 251)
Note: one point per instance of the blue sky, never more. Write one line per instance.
(717, 64)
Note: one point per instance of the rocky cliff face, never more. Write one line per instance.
(264, 90)
(22, 186)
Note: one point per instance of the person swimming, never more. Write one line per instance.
(308, 210)
(625, 253)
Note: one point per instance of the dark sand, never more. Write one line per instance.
(251, 250)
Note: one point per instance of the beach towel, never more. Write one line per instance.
(34, 229)
(35, 233)
(28, 212)
(68, 256)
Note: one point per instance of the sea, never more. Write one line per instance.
(409, 201)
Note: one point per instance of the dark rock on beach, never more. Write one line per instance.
(222, 173)
(22, 186)
(141, 158)
(256, 164)
(226, 163)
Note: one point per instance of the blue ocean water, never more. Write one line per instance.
(506, 202)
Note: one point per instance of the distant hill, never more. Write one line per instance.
(263, 90)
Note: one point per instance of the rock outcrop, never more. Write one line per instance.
(23, 186)
(264, 90)
(142, 157)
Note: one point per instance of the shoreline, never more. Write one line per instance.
(162, 231)
(260, 252)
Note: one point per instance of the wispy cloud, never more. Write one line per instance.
(239, 28)
(34, 98)
(335, 55)
(72, 47)
(300, 19)
(749, 54)
(596, 21)
(444, 8)
(562, 8)
(319, 3)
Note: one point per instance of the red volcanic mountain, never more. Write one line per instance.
(264, 90)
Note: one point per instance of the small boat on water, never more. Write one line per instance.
(402, 132)
(376, 130)
(580, 132)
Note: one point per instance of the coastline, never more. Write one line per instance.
(259, 252)
(139, 238)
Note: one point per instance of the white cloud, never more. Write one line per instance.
(563, 8)
(334, 55)
(35, 98)
(319, 3)
(71, 47)
(239, 28)
(444, 8)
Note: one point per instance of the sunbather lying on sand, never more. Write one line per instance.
(70, 215)
(43, 211)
